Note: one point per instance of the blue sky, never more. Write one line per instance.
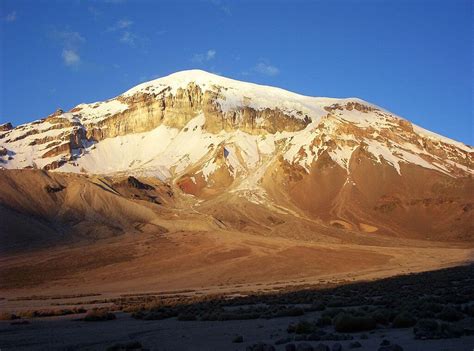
(412, 57)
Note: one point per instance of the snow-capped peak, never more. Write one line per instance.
(183, 122)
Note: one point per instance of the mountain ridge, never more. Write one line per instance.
(243, 106)
(233, 146)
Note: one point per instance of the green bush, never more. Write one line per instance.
(51, 313)
(347, 323)
(332, 312)
(290, 312)
(323, 321)
(450, 314)
(469, 310)
(449, 330)
(431, 307)
(5, 316)
(404, 320)
(427, 324)
(97, 315)
(382, 316)
(238, 339)
(302, 327)
(317, 306)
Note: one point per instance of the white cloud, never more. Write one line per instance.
(71, 43)
(121, 24)
(128, 38)
(204, 57)
(210, 54)
(222, 5)
(266, 69)
(69, 39)
(71, 57)
(126, 35)
(11, 17)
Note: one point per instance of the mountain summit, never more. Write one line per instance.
(345, 162)
(220, 110)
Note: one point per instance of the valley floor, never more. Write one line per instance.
(421, 295)
(211, 262)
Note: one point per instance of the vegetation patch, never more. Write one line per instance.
(98, 315)
(347, 323)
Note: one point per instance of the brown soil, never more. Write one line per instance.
(99, 235)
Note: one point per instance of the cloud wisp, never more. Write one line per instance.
(222, 6)
(70, 57)
(71, 43)
(204, 57)
(263, 67)
(11, 17)
(121, 24)
(266, 69)
(127, 36)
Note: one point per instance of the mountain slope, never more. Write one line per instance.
(344, 162)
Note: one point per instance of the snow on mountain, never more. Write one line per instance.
(236, 94)
(199, 124)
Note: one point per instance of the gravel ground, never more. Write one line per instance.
(66, 333)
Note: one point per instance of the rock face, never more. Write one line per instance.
(5, 127)
(346, 162)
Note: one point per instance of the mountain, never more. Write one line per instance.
(250, 154)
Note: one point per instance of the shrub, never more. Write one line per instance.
(382, 316)
(333, 312)
(426, 328)
(431, 329)
(347, 323)
(426, 314)
(20, 322)
(449, 330)
(238, 339)
(450, 314)
(469, 310)
(302, 327)
(96, 315)
(427, 324)
(138, 315)
(28, 314)
(338, 302)
(403, 320)
(317, 306)
(231, 316)
(290, 312)
(5, 316)
(323, 321)
(51, 313)
(431, 307)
